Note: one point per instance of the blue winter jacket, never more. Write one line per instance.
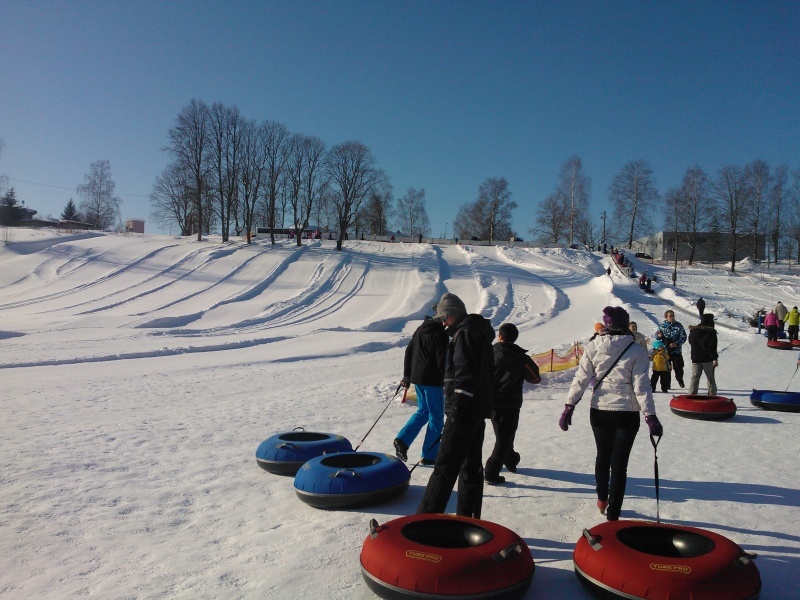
(673, 333)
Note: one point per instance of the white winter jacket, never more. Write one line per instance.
(626, 387)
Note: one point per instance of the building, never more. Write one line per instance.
(134, 226)
(709, 246)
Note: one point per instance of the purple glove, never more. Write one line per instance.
(566, 417)
(656, 430)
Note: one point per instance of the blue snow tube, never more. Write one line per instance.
(285, 453)
(773, 400)
(351, 479)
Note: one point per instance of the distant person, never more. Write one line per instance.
(780, 312)
(661, 367)
(468, 369)
(420, 238)
(674, 337)
(648, 285)
(512, 367)
(621, 391)
(637, 336)
(793, 323)
(703, 342)
(608, 271)
(771, 325)
(423, 366)
(701, 306)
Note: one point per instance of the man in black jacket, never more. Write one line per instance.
(468, 402)
(512, 366)
(424, 367)
(703, 341)
(701, 306)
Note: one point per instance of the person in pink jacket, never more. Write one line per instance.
(771, 325)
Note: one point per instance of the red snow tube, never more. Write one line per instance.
(780, 344)
(445, 556)
(637, 559)
(705, 408)
(795, 343)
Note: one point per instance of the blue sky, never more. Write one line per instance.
(445, 94)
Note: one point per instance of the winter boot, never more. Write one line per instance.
(401, 449)
(512, 460)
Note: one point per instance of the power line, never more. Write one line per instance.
(58, 187)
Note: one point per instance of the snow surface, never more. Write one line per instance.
(139, 373)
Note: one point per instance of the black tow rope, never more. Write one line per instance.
(379, 417)
(655, 442)
(423, 454)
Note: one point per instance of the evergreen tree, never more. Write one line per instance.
(10, 212)
(70, 212)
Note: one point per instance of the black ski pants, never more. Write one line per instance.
(614, 434)
(459, 457)
(792, 331)
(677, 365)
(664, 376)
(504, 423)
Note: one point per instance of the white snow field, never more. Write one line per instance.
(139, 373)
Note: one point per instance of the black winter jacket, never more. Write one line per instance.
(512, 365)
(425, 354)
(469, 368)
(703, 341)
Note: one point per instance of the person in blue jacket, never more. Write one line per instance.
(672, 333)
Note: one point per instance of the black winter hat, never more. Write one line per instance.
(707, 319)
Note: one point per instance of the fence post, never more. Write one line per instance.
(551, 359)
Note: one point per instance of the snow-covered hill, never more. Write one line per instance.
(138, 374)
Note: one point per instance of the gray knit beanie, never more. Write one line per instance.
(449, 305)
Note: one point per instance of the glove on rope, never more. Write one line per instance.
(656, 429)
(566, 417)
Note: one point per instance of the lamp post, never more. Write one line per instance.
(445, 230)
(603, 216)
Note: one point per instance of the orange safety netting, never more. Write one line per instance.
(551, 361)
(548, 362)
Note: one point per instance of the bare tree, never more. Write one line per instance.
(412, 216)
(633, 194)
(225, 141)
(3, 178)
(794, 220)
(575, 189)
(99, 207)
(377, 210)
(353, 175)
(758, 181)
(779, 205)
(552, 218)
(496, 198)
(689, 209)
(306, 179)
(172, 200)
(188, 146)
(730, 190)
(276, 147)
(253, 173)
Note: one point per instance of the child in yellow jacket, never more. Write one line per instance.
(661, 367)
